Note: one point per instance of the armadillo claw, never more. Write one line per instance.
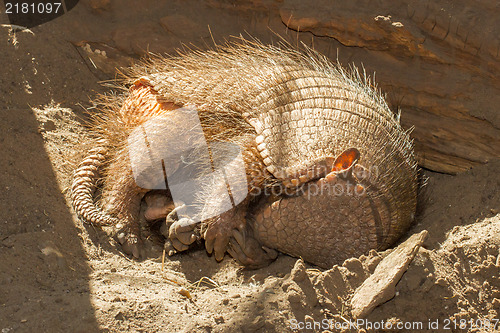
(249, 252)
(178, 245)
(216, 241)
(217, 238)
(131, 243)
(219, 230)
(240, 237)
(169, 248)
(183, 230)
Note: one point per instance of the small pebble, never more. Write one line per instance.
(184, 292)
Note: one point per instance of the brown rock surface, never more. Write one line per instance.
(439, 61)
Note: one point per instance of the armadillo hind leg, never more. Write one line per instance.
(121, 196)
(126, 194)
(122, 199)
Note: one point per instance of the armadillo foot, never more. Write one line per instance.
(249, 252)
(158, 205)
(131, 242)
(182, 233)
(169, 248)
(220, 229)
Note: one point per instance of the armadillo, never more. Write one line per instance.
(328, 171)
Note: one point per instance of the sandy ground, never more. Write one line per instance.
(58, 275)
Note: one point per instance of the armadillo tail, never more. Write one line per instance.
(84, 186)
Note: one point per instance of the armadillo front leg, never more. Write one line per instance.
(230, 232)
(220, 229)
(179, 231)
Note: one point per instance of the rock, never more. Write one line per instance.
(52, 256)
(48, 126)
(380, 286)
(103, 57)
(333, 283)
(356, 273)
(8, 242)
(98, 5)
(181, 26)
(141, 38)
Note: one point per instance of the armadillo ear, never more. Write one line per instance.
(345, 162)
